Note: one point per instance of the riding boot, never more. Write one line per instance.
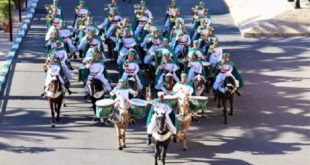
(149, 141)
(43, 94)
(238, 93)
(67, 86)
(174, 138)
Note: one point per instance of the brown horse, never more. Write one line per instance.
(55, 95)
(184, 117)
(120, 118)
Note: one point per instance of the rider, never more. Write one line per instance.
(183, 87)
(142, 19)
(80, 13)
(195, 50)
(235, 71)
(54, 69)
(161, 106)
(65, 34)
(131, 68)
(225, 71)
(62, 54)
(96, 70)
(195, 67)
(216, 51)
(122, 90)
(169, 65)
(183, 40)
(124, 45)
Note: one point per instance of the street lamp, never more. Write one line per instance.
(10, 22)
(297, 4)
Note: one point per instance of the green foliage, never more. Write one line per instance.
(4, 10)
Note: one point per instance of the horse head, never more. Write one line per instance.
(54, 85)
(199, 84)
(123, 104)
(169, 81)
(94, 85)
(161, 123)
(229, 85)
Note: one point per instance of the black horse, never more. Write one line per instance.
(230, 89)
(95, 91)
(161, 138)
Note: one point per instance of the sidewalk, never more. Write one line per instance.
(265, 18)
(5, 44)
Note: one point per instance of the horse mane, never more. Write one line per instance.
(229, 80)
(97, 84)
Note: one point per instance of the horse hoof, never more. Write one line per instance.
(120, 148)
(185, 149)
(124, 146)
(65, 105)
(230, 114)
(53, 125)
(57, 119)
(225, 122)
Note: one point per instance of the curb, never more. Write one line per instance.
(247, 31)
(23, 29)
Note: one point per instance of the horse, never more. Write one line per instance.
(184, 117)
(169, 83)
(230, 89)
(95, 92)
(120, 119)
(161, 137)
(55, 94)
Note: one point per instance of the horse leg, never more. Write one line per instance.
(225, 110)
(215, 95)
(231, 101)
(164, 154)
(52, 113)
(58, 106)
(185, 148)
(119, 136)
(156, 154)
(219, 101)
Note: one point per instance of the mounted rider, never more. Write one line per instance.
(124, 45)
(216, 53)
(172, 13)
(154, 43)
(183, 87)
(225, 71)
(161, 106)
(80, 14)
(195, 66)
(196, 50)
(168, 66)
(110, 23)
(235, 71)
(65, 34)
(96, 70)
(182, 42)
(53, 11)
(131, 68)
(122, 91)
(51, 42)
(62, 55)
(53, 70)
(142, 17)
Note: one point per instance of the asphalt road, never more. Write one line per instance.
(270, 125)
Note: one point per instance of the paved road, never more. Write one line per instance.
(270, 126)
